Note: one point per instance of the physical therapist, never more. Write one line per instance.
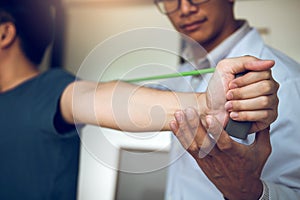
(213, 25)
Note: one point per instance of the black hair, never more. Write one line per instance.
(33, 20)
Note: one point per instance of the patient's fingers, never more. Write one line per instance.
(250, 78)
(258, 103)
(262, 88)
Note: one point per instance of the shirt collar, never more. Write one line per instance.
(221, 51)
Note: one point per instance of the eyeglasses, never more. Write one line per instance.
(170, 6)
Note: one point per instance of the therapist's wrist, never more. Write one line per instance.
(254, 190)
(265, 195)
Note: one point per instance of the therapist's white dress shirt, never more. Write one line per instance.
(281, 174)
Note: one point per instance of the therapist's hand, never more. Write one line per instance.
(234, 168)
(252, 97)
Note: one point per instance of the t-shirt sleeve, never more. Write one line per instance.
(50, 88)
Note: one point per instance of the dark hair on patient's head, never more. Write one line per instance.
(33, 20)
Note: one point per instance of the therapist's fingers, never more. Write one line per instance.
(192, 118)
(179, 134)
(262, 142)
(223, 140)
(184, 132)
(196, 131)
(203, 142)
(191, 134)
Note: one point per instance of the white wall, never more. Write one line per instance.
(88, 25)
(91, 23)
(278, 20)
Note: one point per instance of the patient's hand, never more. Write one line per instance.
(252, 97)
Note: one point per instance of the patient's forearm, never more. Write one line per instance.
(127, 107)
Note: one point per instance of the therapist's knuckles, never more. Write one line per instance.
(194, 149)
(192, 117)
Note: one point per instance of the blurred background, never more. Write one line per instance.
(81, 25)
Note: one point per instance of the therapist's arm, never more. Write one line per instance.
(234, 168)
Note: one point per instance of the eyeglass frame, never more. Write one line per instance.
(156, 2)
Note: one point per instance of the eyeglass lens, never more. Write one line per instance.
(169, 6)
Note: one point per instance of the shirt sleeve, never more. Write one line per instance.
(50, 88)
(279, 192)
(265, 194)
(281, 172)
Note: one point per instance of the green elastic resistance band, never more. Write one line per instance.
(174, 75)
